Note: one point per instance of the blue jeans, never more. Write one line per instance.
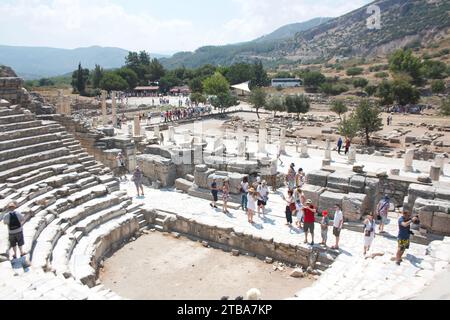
(244, 201)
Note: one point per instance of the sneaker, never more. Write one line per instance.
(312, 243)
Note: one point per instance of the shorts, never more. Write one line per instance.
(384, 219)
(336, 232)
(261, 203)
(403, 244)
(16, 239)
(215, 196)
(308, 226)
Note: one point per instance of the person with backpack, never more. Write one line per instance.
(14, 221)
(382, 211)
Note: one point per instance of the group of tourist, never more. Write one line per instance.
(347, 145)
(186, 113)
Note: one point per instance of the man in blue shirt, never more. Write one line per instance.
(404, 226)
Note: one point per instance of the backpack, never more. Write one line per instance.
(14, 222)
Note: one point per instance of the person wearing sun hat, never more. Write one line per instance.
(324, 227)
(251, 204)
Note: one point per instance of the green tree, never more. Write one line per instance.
(80, 78)
(283, 74)
(129, 76)
(339, 108)
(385, 93)
(45, 82)
(437, 86)
(155, 70)
(97, 76)
(404, 93)
(168, 81)
(434, 69)
(297, 104)
(368, 119)
(197, 97)
(258, 98)
(354, 71)
(260, 78)
(405, 61)
(239, 72)
(445, 107)
(275, 104)
(196, 85)
(349, 127)
(144, 58)
(370, 90)
(112, 81)
(216, 84)
(333, 89)
(224, 100)
(360, 82)
(313, 79)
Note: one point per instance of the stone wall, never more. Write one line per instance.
(11, 89)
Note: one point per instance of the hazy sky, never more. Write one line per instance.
(163, 26)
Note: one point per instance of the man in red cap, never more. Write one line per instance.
(324, 227)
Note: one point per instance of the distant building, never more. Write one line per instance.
(242, 89)
(183, 90)
(287, 82)
(146, 91)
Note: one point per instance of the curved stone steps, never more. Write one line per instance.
(84, 259)
(27, 141)
(33, 158)
(91, 212)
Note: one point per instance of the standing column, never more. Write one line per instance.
(60, 103)
(137, 126)
(283, 141)
(409, 158)
(113, 103)
(328, 150)
(262, 138)
(104, 110)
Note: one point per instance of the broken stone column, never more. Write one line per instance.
(435, 173)
(262, 139)
(171, 134)
(67, 107)
(60, 104)
(283, 141)
(104, 111)
(156, 131)
(114, 105)
(328, 150)
(352, 155)
(240, 141)
(137, 126)
(304, 149)
(409, 158)
(439, 161)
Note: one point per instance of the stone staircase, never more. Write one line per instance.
(74, 210)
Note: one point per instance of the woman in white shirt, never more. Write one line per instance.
(251, 204)
(263, 196)
(369, 232)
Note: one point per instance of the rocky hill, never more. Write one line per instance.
(402, 22)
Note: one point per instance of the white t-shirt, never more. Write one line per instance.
(338, 217)
(263, 192)
(251, 202)
(244, 186)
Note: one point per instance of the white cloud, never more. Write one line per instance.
(75, 23)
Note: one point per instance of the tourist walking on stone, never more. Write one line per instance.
(263, 196)
(338, 223)
(251, 204)
(244, 192)
(309, 218)
(300, 201)
(404, 234)
(279, 152)
(290, 177)
(121, 169)
(339, 145)
(161, 139)
(290, 207)
(347, 145)
(14, 221)
(382, 211)
(369, 232)
(225, 195)
(300, 178)
(215, 193)
(137, 179)
(324, 227)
